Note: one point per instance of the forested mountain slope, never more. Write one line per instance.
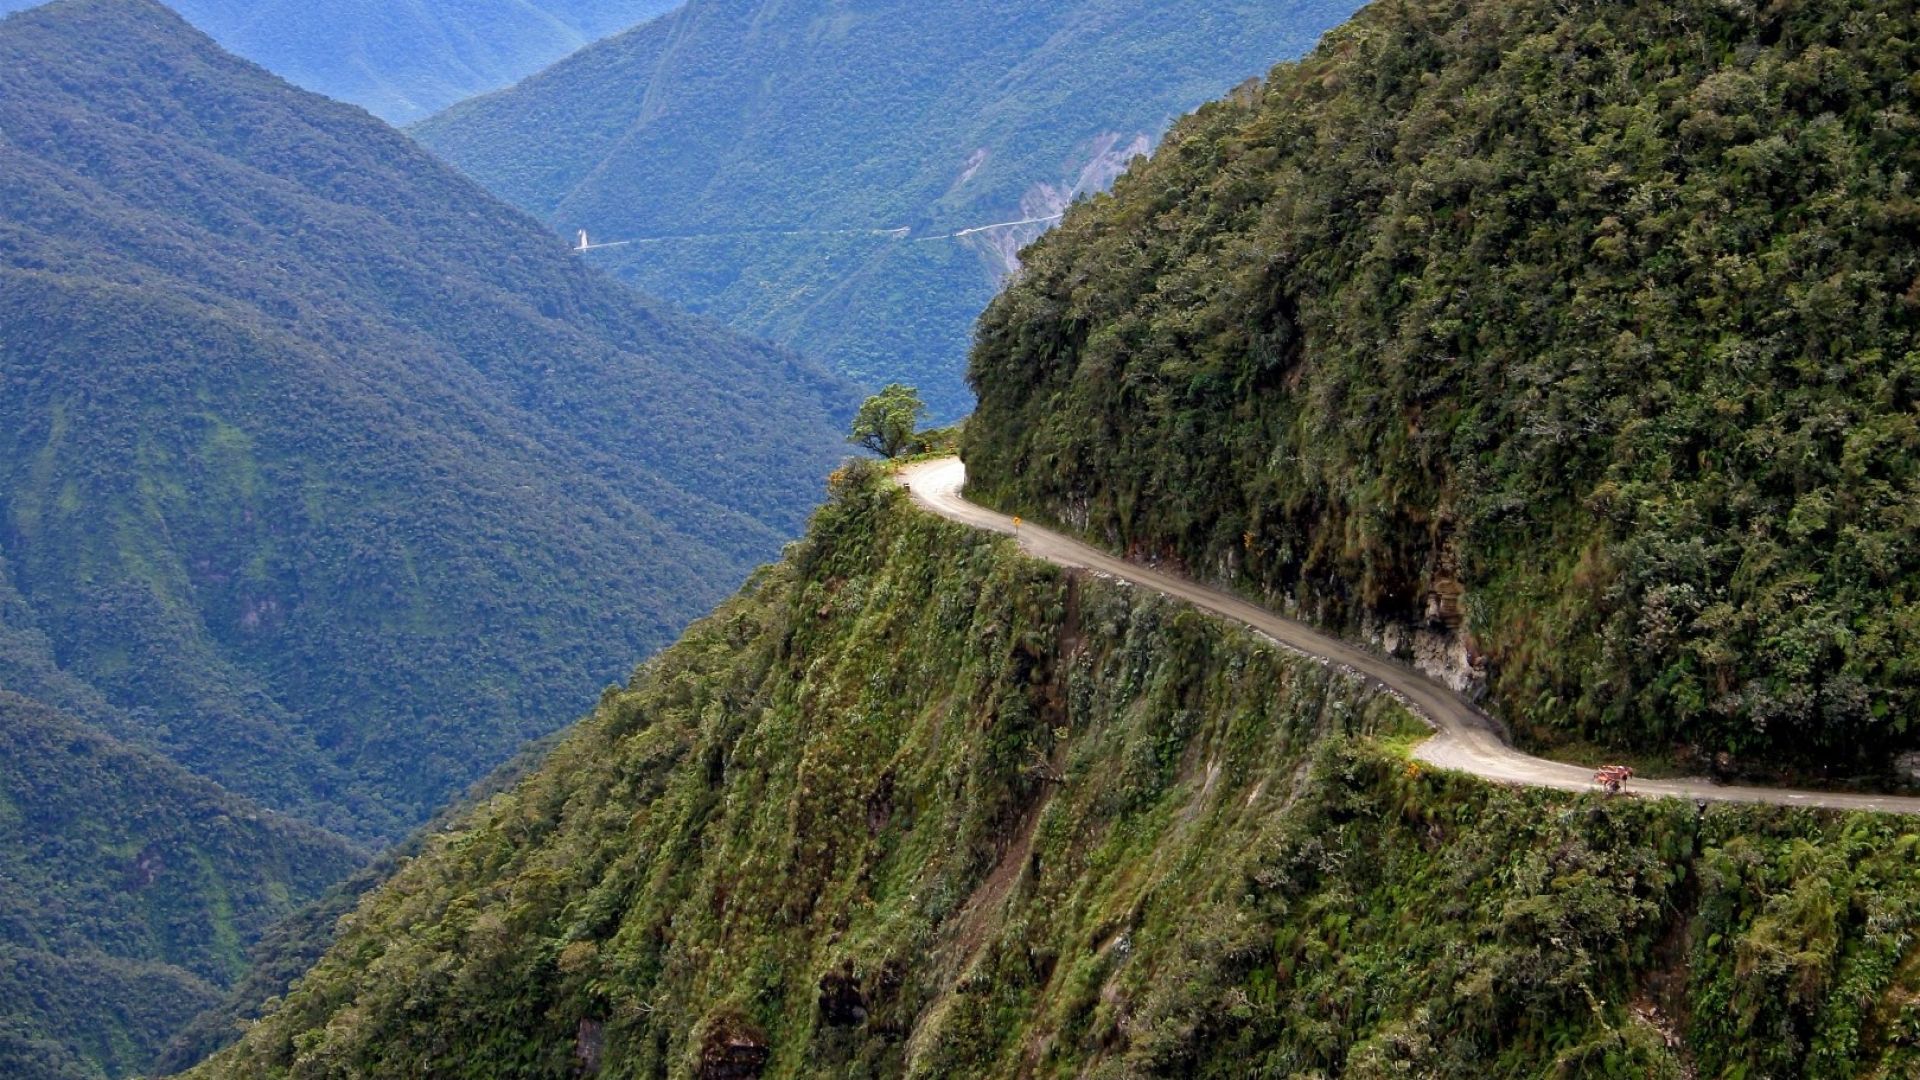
(323, 475)
(294, 944)
(761, 151)
(129, 892)
(403, 61)
(915, 805)
(1569, 346)
(335, 476)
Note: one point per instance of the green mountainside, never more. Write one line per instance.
(1573, 343)
(326, 482)
(1563, 347)
(913, 804)
(1482, 331)
(336, 478)
(404, 61)
(761, 152)
(294, 944)
(129, 893)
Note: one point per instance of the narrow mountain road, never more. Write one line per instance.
(898, 233)
(1464, 738)
(963, 233)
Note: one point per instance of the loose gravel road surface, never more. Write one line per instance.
(1464, 738)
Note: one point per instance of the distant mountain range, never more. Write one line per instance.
(326, 480)
(403, 61)
(814, 172)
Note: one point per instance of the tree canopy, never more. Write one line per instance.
(887, 421)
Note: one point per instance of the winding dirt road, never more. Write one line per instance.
(1464, 738)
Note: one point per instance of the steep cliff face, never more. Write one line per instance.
(913, 805)
(1569, 344)
(1093, 170)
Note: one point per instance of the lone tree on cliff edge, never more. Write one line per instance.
(887, 422)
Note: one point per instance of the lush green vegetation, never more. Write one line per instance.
(405, 61)
(1583, 330)
(888, 422)
(914, 805)
(290, 947)
(1602, 315)
(129, 891)
(325, 477)
(335, 478)
(763, 199)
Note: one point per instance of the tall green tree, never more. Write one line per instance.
(887, 421)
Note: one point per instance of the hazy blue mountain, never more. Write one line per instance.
(403, 61)
(768, 201)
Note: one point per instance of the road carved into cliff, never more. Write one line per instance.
(1464, 738)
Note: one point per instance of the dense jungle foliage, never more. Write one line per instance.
(913, 804)
(129, 892)
(1603, 314)
(405, 61)
(761, 149)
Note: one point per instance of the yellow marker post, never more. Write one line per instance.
(1016, 524)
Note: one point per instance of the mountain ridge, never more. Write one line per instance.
(403, 62)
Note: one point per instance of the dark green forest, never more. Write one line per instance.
(291, 946)
(914, 805)
(325, 478)
(763, 199)
(130, 891)
(1584, 330)
(404, 61)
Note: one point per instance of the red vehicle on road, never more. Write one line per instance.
(1613, 778)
